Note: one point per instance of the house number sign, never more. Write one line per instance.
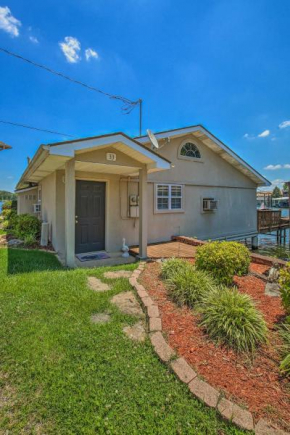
(111, 157)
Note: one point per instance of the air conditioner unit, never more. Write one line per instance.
(210, 204)
(36, 208)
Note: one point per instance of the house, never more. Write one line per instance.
(97, 190)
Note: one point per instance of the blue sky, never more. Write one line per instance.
(224, 64)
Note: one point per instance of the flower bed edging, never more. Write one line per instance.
(198, 387)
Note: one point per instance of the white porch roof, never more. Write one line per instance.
(52, 157)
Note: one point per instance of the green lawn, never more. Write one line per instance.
(61, 374)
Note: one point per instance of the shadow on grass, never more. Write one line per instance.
(25, 261)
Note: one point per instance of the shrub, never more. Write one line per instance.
(190, 286)
(27, 226)
(173, 265)
(223, 260)
(231, 319)
(285, 349)
(284, 282)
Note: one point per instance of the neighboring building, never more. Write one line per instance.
(264, 199)
(92, 191)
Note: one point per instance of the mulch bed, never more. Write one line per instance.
(255, 384)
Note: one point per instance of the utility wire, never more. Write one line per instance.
(128, 104)
(34, 128)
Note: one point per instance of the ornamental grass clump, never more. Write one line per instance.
(173, 265)
(231, 319)
(284, 282)
(190, 286)
(223, 260)
(285, 348)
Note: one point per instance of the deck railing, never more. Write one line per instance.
(269, 219)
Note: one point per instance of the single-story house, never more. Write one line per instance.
(93, 192)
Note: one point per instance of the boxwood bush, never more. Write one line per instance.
(231, 318)
(190, 286)
(223, 260)
(27, 227)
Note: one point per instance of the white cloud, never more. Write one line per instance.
(246, 135)
(33, 39)
(284, 124)
(71, 48)
(278, 182)
(91, 53)
(8, 23)
(10, 177)
(264, 133)
(273, 167)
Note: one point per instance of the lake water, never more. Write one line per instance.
(268, 243)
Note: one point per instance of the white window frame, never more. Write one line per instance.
(169, 209)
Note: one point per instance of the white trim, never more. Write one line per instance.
(169, 210)
(25, 190)
(199, 128)
(107, 211)
(90, 144)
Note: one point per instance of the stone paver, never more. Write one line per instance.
(272, 289)
(128, 304)
(265, 428)
(183, 370)
(225, 407)
(118, 274)
(147, 301)
(155, 324)
(100, 318)
(164, 351)
(153, 311)
(204, 392)
(97, 285)
(241, 417)
(135, 332)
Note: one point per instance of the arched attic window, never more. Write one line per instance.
(189, 150)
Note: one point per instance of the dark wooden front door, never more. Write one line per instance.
(90, 216)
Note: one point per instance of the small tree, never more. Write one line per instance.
(276, 192)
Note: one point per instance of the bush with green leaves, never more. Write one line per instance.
(223, 260)
(190, 286)
(231, 319)
(27, 226)
(172, 266)
(284, 282)
(9, 205)
(285, 349)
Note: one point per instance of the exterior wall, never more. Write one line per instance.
(26, 200)
(210, 177)
(48, 205)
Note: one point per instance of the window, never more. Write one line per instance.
(189, 151)
(169, 197)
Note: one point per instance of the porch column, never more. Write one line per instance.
(143, 221)
(70, 198)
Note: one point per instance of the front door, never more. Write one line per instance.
(90, 216)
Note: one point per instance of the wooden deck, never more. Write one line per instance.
(167, 250)
(271, 220)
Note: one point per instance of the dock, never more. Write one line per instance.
(271, 221)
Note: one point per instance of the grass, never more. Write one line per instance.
(61, 374)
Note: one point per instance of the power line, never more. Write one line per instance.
(34, 128)
(128, 104)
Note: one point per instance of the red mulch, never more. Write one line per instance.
(255, 384)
